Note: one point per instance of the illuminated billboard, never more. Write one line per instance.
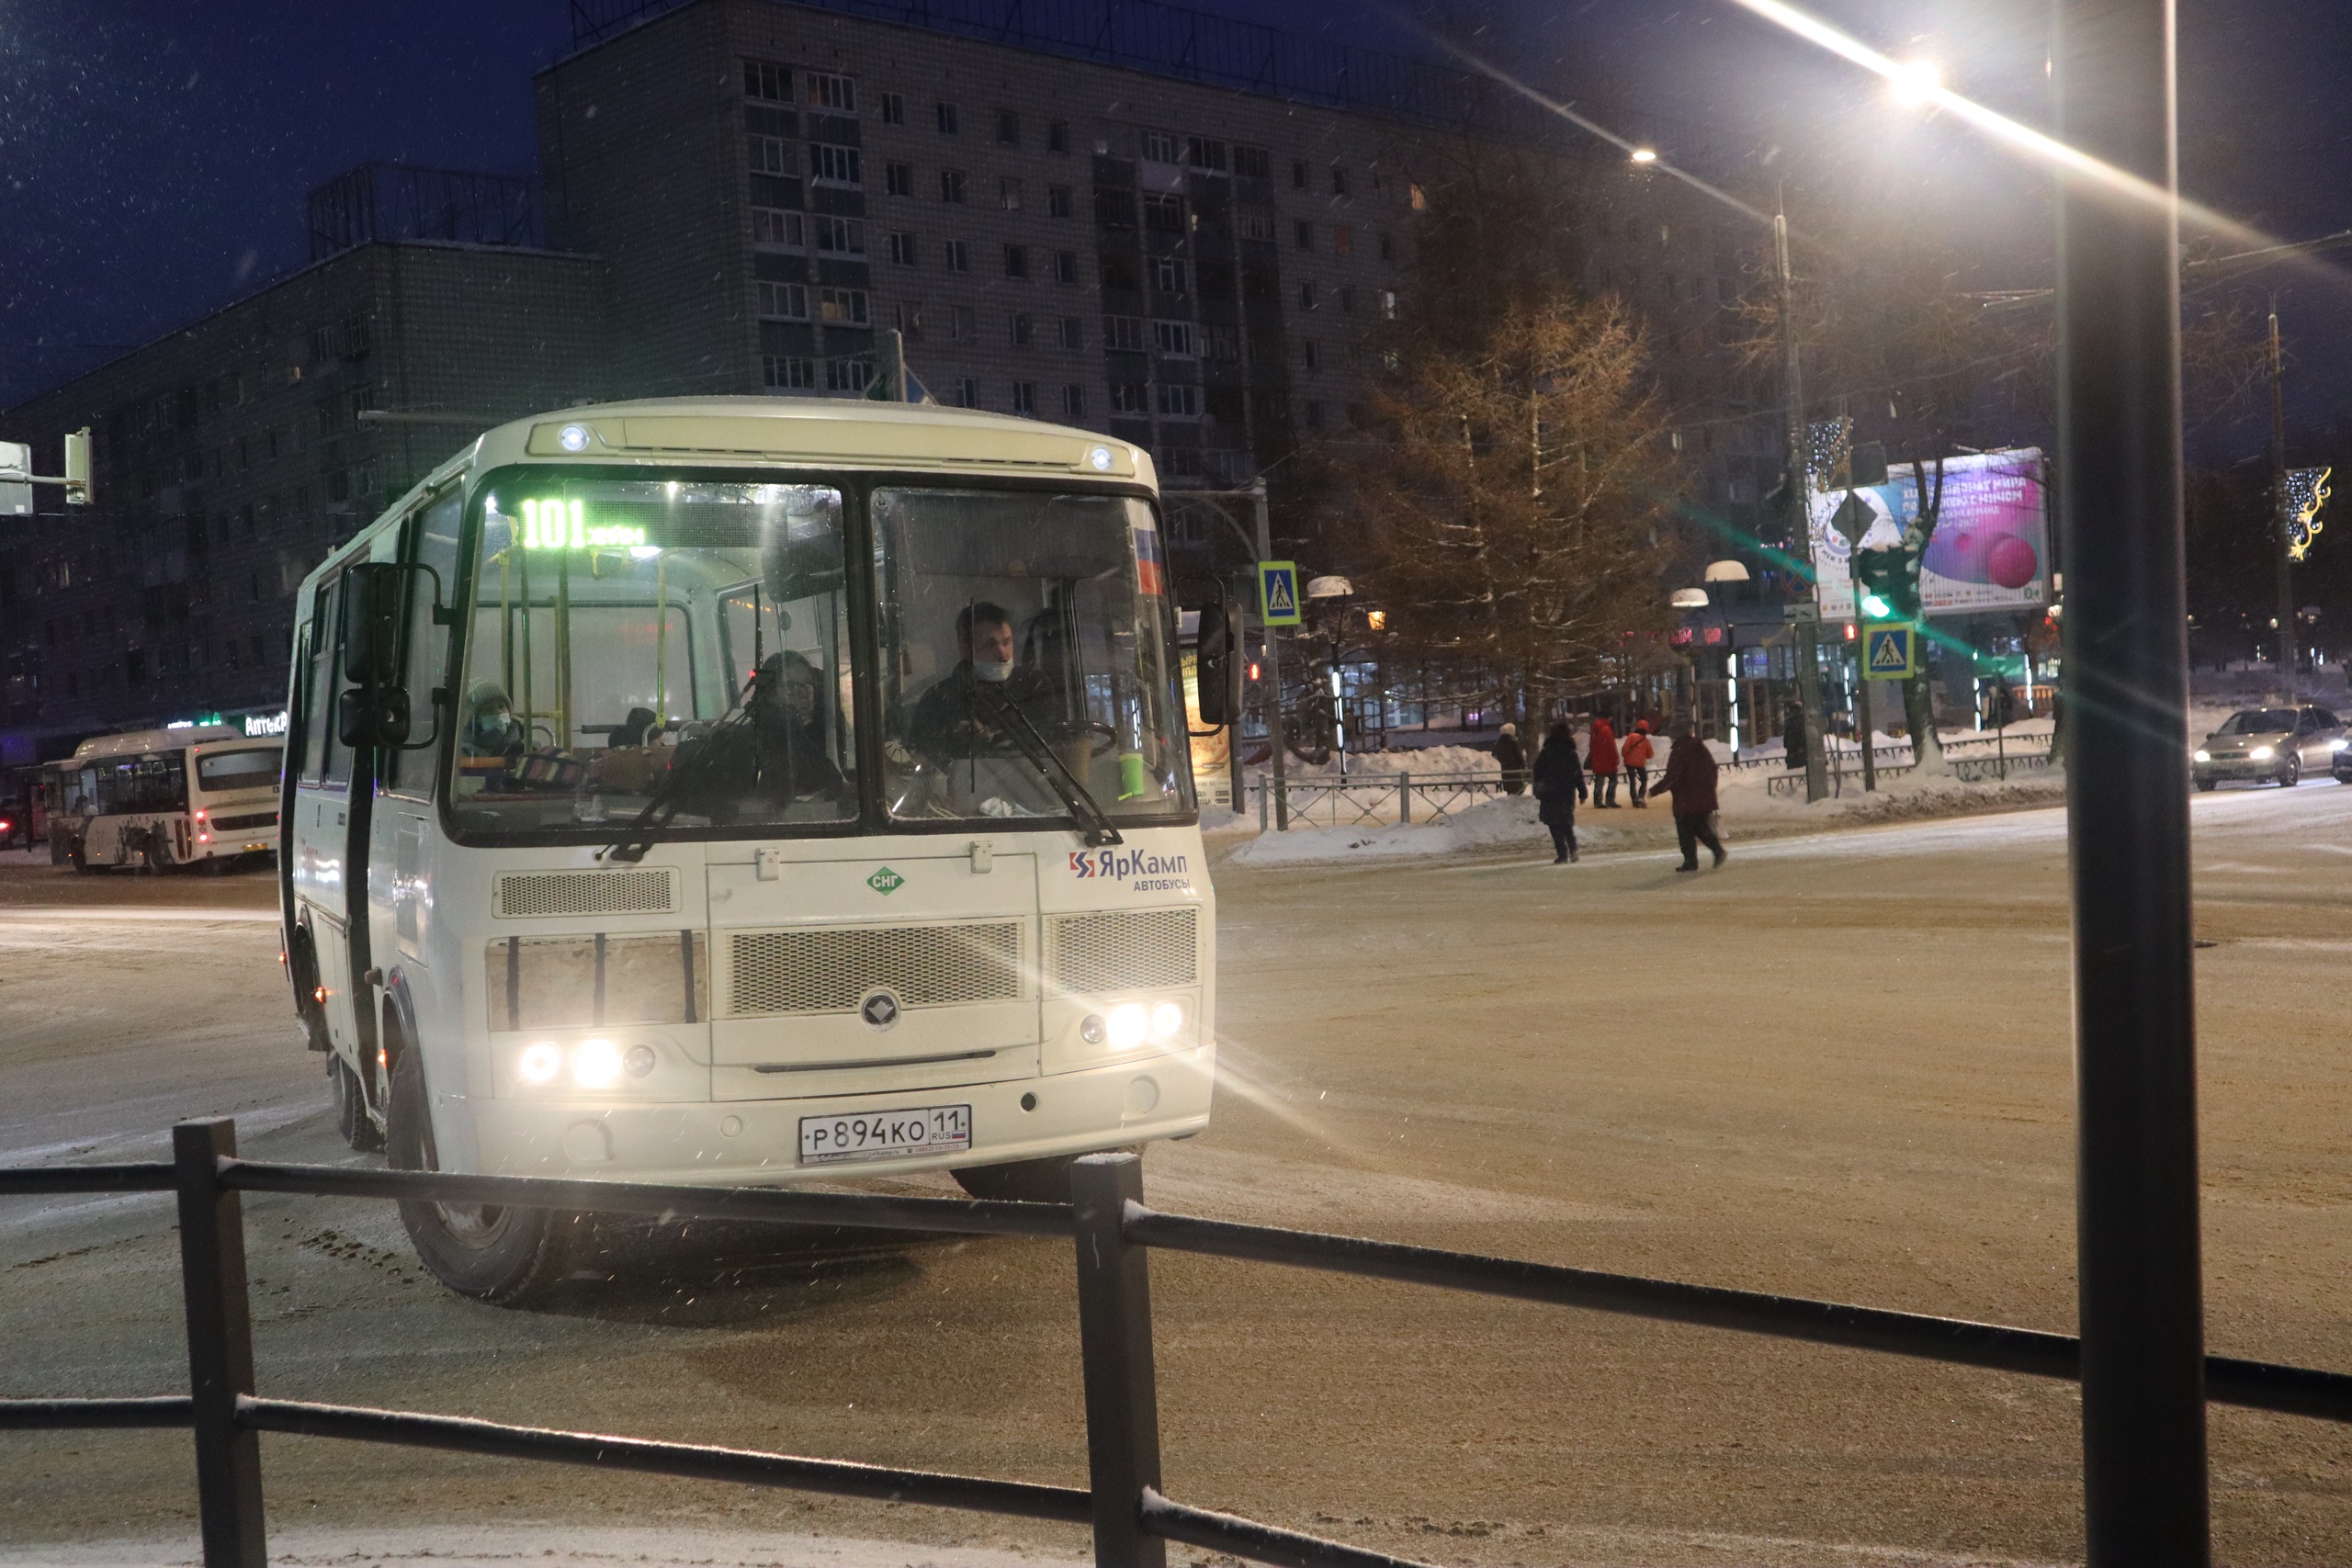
(1991, 549)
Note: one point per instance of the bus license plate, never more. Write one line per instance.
(886, 1134)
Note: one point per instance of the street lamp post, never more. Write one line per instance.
(1800, 516)
(2282, 515)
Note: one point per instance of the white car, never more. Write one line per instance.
(2273, 744)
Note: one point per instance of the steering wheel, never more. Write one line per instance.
(1070, 729)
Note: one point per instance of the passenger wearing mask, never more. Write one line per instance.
(490, 739)
(1559, 785)
(1512, 757)
(1601, 758)
(1637, 752)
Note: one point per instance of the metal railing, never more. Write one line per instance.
(1375, 800)
(1130, 1517)
(1968, 769)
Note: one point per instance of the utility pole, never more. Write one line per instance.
(2282, 513)
(1801, 518)
(1273, 667)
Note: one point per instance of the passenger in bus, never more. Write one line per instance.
(962, 714)
(755, 770)
(490, 743)
(639, 729)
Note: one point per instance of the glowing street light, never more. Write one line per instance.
(1915, 84)
(1645, 154)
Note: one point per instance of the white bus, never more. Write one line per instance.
(204, 797)
(745, 791)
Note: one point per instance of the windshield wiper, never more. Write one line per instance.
(1092, 818)
(663, 805)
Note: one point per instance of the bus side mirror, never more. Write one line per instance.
(1213, 665)
(380, 718)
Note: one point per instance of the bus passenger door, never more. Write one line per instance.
(400, 904)
(321, 794)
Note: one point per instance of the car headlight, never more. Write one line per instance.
(2203, 755)
(2259, 753)
(2338, 744)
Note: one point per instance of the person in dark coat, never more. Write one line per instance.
(1559, 785)
(1601, 758)
(1793, 734)
(1690, 778)
(1512, 757)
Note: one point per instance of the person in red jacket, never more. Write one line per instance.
(1601, 760)
(1637, 751)
(1691, 778)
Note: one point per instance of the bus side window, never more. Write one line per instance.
(430, 539)
(318, 686)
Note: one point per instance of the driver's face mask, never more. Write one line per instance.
(995, 673)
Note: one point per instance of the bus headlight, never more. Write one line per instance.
(596, 1064)
(1127, 1023)
(1091, 1029)
(1166, 1020)
(639, 1061)
(542, 1062)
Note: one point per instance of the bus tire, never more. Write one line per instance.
(1021, 1180)
(502, 1256)
(351, 1117)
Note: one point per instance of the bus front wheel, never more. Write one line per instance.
(500, 1255)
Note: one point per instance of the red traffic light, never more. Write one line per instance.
(1850, 631)
(1254, 670)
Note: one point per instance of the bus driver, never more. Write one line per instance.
(961, 716)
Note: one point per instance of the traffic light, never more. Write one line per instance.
(1886, 585)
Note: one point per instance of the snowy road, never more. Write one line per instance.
(1837, 1066)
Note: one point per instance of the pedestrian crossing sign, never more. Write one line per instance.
(1278, 592)
(1890, 649)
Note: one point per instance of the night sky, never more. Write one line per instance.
(156, 154)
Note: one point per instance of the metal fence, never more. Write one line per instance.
(1130, 1517)
(1375, 800)
(1968, 769)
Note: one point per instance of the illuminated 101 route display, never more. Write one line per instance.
(563, 525)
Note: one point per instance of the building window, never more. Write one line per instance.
(1024, 398)
(1058, 203)
(1298, 173)
(1387, 245)
(1130, 397)
(829, 164)
(1205, 153)
(1313, 414)
(1179, 401)
(848, 374)
(844, 307)
(1338, 180)
(894, 110)
(1347, 298)
(1253, 163)
(1308, 355)
(1307, 295)
(967, 391)
(774, 226)
(1303, 235)
(1016, 261)
(1073, 401)
(1008, 128)
(898, 179)
(962, 323)
(908, 319)
(771, 155)
(1417, 199)
(1065, 266)
(1118, 273)
(769, 83)
(1388, 304)
(828, 90)
(902, 248)
(1160, 146)
(1024, 328)
(1221, 344)
(948, 125)
(783, 302)
(1072, 333)
(1057, 136)
(1164, 213)
(959, 256)
(952, 186)
(787, 372)
(1168, 275)
(839, 236)
(1343, 240)
(1254, 225)
(1123, 333)
(1172, 339)
(1009, 192)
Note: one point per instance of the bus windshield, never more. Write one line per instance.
(253, 767)
(1022, 629)
(617, 628)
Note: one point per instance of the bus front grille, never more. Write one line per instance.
(543, 893)
(833, 969)
(1123, 950)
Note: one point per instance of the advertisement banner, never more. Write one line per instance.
(1991, 550)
